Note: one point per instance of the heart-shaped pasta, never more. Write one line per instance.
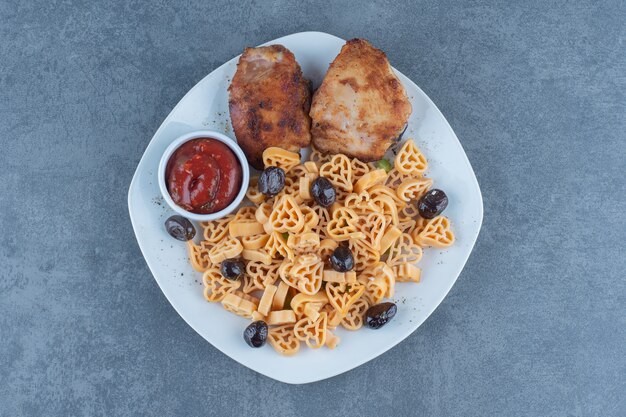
(385, 204)
(370, 179)
(253, 192)
(240, 304)
(437, 233)
(343, 225)
(216, 287)
(312, 332)
(265, 274)
(342, 296)
(361, 203)
(406, 224)
(420, 225)
(216, 230)
(414, 188)
(262, 213)
(395, 178)
(334, 318)
(304, 273)
(373, 227)
(323, 217)
(311, 219)
(356, 315)
(281, 158)
(364, 256)
(199, 255)
(358, 169)
(286, 215)
(304, 243)
(404, 250)
(410, 160)
(339, 172)
(227, 248)
(283, 340)
(277, 245)
(410, 210)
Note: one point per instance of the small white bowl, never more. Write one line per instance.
(245, 170)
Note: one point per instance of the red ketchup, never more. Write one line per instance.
(203, 176)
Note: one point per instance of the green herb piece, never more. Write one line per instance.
(384, 164)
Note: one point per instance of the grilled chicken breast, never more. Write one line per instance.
(269, 102)
(361, 108)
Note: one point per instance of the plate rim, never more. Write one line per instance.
(404, 333)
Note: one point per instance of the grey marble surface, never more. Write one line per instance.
(536, 323)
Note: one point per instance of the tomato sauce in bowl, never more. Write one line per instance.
(203, 176)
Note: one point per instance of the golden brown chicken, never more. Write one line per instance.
(269, 102)
(361, 108)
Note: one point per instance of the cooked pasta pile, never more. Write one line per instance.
(286, 241)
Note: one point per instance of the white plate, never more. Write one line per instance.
(205, 106)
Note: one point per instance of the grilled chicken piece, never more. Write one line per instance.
(361, 108)
(269, 102)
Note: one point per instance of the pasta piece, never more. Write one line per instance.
(255, 241)
(364, 256)
(339, 172)
(395, 178)
(216, 230)
(327, 247)
(253, 192)
(245, 214)
(258, 255)
(312, 332)
(277, 245)
(298, 172)
(323, 217)
(283, 340)
(277, 157)
(305, 188)
(406, 224)
(227, 248)
(281, 317)
(437, 233)
(410, 160)
(216, 287)
(414, 188)
(256, 316)
(330, 275)
(240, 304)
(361, 203)
(420, 225)
(332, 340)
(391, 234)
(300, 301)
(263, 274)
(278, 303)
(304, 243)
(342, 296)
(410, 210)
(358, 169)
(407, 273)
(334, 318)
(385, 204)
(304, 273)
(380, 189)
(343, 225)
(311, 218)
(262, 213)
(373, 227)
(245, 228)
(370, 179)
(252, 283)
(350, 277)
(199, 255)
(384, 271)
(375, 287)
(312, 168)
(286, 216)
(356, 315)
(404, 250)
(312, 310)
